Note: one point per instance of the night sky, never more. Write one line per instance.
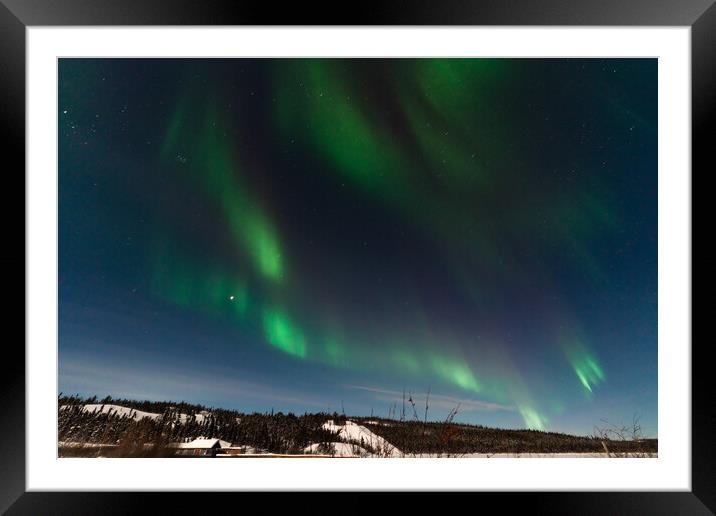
(322, 234)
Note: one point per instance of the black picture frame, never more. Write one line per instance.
(17, 15)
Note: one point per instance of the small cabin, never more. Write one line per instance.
(200, 447)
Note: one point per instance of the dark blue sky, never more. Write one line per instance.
(298, 234)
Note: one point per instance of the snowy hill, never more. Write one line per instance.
(135, 414)
(357, 434)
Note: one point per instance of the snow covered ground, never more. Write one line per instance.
(135, 414)
(360, 435)
(317, 454)
(118, 410)
(339, 450)
(73, 444)
(529, 455)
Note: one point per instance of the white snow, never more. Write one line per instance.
(199, 417)
(269, 456)
(339, 450)
(357, 433)
(202, 443)
(75, 444)
(135, 414)
(119, 411)
(575, 455)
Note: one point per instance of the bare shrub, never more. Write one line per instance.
(613, 438)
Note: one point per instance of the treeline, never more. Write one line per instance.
(270, 432)
(449, 438)
(291, 434)
(157, 407)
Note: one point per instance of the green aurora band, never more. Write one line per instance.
(587, 370)
(261, 293)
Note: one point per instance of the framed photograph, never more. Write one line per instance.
(427, 248)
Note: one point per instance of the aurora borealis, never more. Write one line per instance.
(306, 234)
